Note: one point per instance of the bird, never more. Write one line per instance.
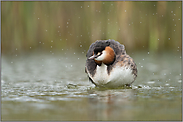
(108, 65)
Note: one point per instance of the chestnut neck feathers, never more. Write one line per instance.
(107, 56)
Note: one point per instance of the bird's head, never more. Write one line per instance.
(103, 53)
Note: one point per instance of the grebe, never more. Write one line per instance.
(108, 65)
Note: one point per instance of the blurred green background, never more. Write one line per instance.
(151, 26)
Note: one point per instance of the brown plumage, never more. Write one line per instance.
(107, 63)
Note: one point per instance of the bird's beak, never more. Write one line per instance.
(93, 56)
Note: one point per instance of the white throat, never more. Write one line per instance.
(101, 57)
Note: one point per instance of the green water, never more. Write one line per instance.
(55, 87)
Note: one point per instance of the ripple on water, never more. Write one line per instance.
(54, 81)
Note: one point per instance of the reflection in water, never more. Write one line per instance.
(59, 86)
(112, 104)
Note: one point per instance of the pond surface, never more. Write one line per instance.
(55, 87)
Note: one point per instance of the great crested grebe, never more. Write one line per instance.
(108, 65)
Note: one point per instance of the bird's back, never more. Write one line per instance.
(122, 71)
(118, 48)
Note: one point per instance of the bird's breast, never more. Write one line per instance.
(101, 75)
(118, 76)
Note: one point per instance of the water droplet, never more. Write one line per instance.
(80, 45)
(81, 6)
(179, 81)
(150, 82)
(168, 38)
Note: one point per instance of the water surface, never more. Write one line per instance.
(38, 86)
